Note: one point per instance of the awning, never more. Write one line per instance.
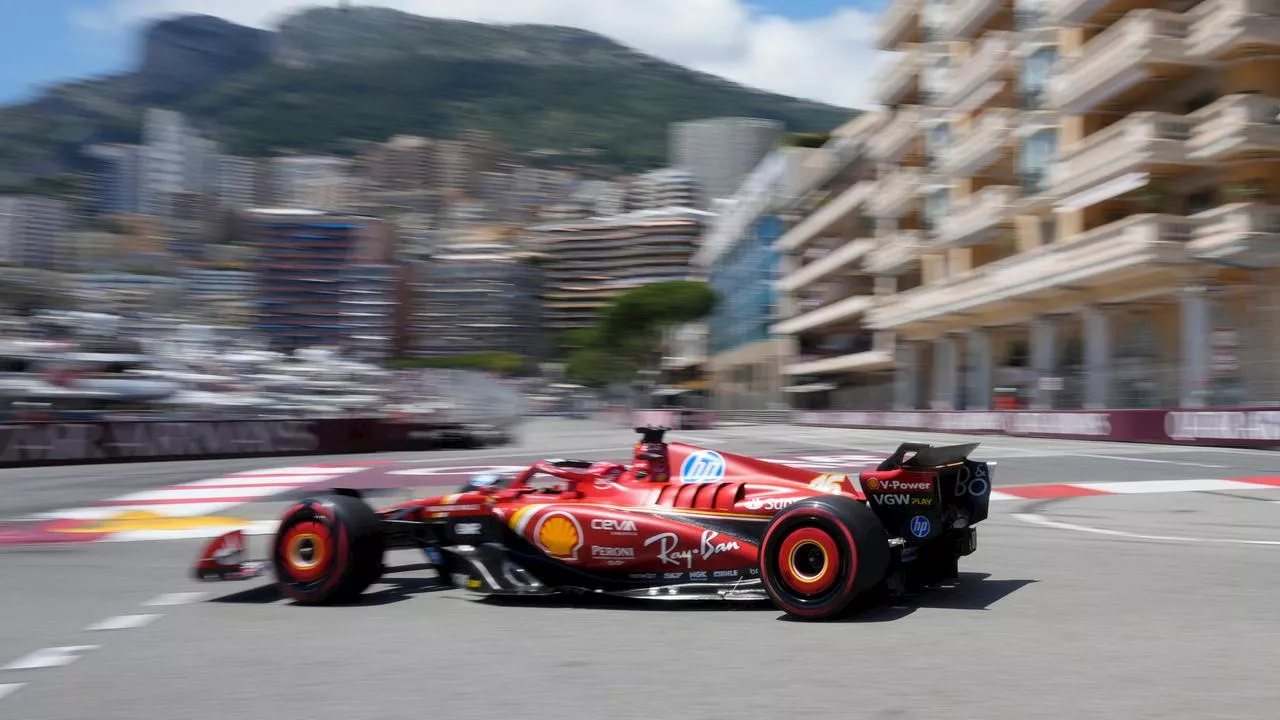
(1103, 192)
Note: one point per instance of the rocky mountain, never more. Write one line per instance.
(329, 76)
(189, 55)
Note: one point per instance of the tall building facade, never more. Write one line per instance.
(325, 279)
(721, 152)
(477, 297)
(668, 187)
(32, 233)
(742, 264)
(236, 182)
(117, 179)
(1071, 207)
(404, 162)
(590, 262)
(314, 182)
(176, 159)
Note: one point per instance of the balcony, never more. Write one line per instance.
(826, 216)
(900, 79)
(832, 262)
(893, 141)
(1145, 47)
(969, 17)
(1075, 12)
(1223, 29)
(838, 311)
(1242, 235)
(1236, 127)
(865, 361)
(981, 146)
(986, 211)
(1146, 141)
(898, 24)
(1111, 255)
(896, 193)
(895, 254)
(983, 75)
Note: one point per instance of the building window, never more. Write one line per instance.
(937, 205)
(1038, 153)
(1037, 68)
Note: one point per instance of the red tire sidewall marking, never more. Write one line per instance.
(324, 550)
(852, 545)
(831, 561)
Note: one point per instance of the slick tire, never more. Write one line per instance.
(819, 554)
(328, 550)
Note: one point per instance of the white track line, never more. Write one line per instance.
(1142, 487)
(124, 622)
(1033, 519)
(181, 598)
(109, 511)
(194, 493)
(301, 471)
(50, 657)
(7, 689)
(1149, 460)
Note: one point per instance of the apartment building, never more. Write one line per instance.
(667, 187)
(721, 152)
(325, 279)
(477, 297)
(32, 233)
(742, 263)
(1079, 200)
(589, 262)
(843, 246)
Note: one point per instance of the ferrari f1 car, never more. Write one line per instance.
(720, 527)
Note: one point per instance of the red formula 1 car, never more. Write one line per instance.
(722, 526)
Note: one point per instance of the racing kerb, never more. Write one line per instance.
(208, 507)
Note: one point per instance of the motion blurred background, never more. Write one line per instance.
(351, 210)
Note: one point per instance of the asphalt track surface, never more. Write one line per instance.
(1123, 606)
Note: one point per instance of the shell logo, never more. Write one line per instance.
(873, 484)
(559, 535)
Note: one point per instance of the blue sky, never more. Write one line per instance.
(48, 41)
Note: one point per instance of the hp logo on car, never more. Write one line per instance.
(702, 466)
(920, 526)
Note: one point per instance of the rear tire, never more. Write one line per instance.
(819, 554)
(328, 550)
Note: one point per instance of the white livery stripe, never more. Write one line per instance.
(1166, 486)
(123, 622)
(7, 689)
(50, 657)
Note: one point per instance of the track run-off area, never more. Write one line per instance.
(1111, 581)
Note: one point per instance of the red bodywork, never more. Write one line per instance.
(617, 519)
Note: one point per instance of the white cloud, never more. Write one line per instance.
(828, 59)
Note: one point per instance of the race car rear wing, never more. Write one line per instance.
(927, 456)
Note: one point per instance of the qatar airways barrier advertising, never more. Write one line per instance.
(1233, 427)
(1236, 427)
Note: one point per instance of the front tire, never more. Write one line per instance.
(328, 550)
(821, 553)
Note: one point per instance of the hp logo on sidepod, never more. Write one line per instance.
(702, 466)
